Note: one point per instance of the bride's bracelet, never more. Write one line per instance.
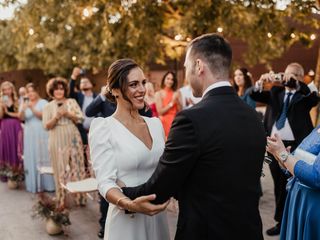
(118, 201)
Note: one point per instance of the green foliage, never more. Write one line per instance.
(56, 35)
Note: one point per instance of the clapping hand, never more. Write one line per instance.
(62, 111)
(26, 105)
(143, 205)
(275, 146)
(104, 91)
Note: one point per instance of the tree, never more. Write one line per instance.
(54, 35)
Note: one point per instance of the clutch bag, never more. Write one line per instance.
(304, 156)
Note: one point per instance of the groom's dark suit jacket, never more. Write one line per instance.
(212, 164)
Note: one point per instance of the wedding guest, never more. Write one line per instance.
(242, 82)
(187, 98)
(168, 100)
(301, 213)
(22, 95)
(35, 137)
(126, 147)
(83, 97)
(11, 135)
(60, 117)
(288, 115)
(150, 99)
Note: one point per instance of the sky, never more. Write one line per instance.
(7, 13)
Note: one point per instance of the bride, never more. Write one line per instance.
(125, 148)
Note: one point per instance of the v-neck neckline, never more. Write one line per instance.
(132, 134)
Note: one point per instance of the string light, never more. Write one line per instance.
(74, 58)
(313, 36)
(40, 45)
(292, 35)
(86, 13)
(269, 34)
(220, 29)
(178, 37)
(31, 31)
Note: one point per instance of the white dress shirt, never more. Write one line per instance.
(217, 85)
(285, 133)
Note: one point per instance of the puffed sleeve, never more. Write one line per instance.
(102, 155)
(73, 107)
(308, 174)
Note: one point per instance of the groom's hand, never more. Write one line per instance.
(142, 205)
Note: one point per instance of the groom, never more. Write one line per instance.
(213, 156)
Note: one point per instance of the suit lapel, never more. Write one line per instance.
(295, 98)
(281, 100)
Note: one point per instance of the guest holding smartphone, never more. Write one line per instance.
(35, 141)
(10, 130)
(60, 117)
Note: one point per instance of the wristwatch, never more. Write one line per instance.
(283, 156)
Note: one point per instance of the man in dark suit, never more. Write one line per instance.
(288, 115)
(83, 97)
(213, 157)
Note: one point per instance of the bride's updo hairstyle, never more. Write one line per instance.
(118, 77)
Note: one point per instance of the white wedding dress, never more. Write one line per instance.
(118, 154)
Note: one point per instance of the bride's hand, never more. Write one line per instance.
(120, 183)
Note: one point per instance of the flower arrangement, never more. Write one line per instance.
(46, 208)
(3, 172)
(15, 174)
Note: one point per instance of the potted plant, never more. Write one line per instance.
(56, 217)
(14, 176)
(3, 173)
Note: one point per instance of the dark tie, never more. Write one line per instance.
(282, 119)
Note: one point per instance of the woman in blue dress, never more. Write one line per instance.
(301, 217)
(35, 142)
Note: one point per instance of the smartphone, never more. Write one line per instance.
(26, 99)
(5, 98)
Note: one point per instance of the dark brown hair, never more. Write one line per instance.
(215, 50)
(246, 77)
(54, 83)
(118, 77)
(175, 80)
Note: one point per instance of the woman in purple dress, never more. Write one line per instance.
(10, 130)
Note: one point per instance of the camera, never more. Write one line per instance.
(26, 99)
(278, 77)
(291, 83)
(83, 72)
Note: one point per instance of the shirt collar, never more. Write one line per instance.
(293, 91)
(217, 85)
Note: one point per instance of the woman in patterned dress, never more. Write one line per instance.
(60, 117)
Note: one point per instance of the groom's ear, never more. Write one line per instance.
(199, 66)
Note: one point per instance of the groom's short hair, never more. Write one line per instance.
(214, 50)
